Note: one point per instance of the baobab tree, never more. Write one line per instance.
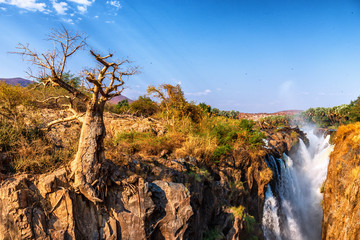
(105, 82)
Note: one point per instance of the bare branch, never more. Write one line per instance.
(33, 57)
(76, 115)
(54, 98)
(101, 59)
(115, 94)
(67, 119)
(51, 64)
(110, 70)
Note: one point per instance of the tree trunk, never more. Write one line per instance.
(87, 163)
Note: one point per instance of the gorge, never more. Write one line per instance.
(271, 193)
(292, 208)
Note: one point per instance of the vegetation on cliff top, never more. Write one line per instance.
(190, 130)
(333, 117)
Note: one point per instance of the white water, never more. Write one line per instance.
(292, 208)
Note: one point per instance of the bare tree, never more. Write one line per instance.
(105, 82)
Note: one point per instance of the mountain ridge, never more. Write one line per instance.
(17, 81)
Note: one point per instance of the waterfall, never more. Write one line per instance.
(292, 208)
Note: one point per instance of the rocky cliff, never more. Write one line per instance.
(156, 198)
(341, 204)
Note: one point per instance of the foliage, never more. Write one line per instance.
(228, 114)
(199, 174)
(333, 116)
(247, 124)
(146, 143)
(11, 97)
(252, 136)
(213, 234)
(206, 108)
(174, 104)
(353, 110)
(255, 138)
(71, 79)
(215, 111)
(144, 106)
(322, 188)
(122, 106)
(224, 133)
(22, 139)
(29, 149)
(45, 97)
(222, 151)
(191, 130)
(8, 136)
(275, 121)
(249, 220)
(208, 140)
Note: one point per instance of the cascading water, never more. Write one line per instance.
(292, 208)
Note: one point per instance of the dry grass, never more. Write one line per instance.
(198, 147)
(209, 140)
(146, 144)
(29, 149)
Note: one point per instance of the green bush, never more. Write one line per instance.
(122, 106)
(247, 125)
(8, 136)
(249, 220)
(213, 234)
(206, 108)
(222, 150)
(225, 133)
(256, 139)
(144, 106)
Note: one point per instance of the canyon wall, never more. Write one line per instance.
(341, 204)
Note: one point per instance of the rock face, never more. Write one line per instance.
(46, 208)
(341, 203)
(123, 123)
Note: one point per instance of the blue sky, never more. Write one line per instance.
(250, 56)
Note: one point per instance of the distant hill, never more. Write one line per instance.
(117, 99)
(17, 81)
(24, 82)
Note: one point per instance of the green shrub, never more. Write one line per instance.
(206, 108)
(122, 106)
(224, 133)
(144, 106)
(222, 150)
(247, 125)
(256, 139)
(8, 136)
(213, 234)
(322, 189)
(249, 220)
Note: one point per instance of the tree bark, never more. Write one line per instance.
(91, 152)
